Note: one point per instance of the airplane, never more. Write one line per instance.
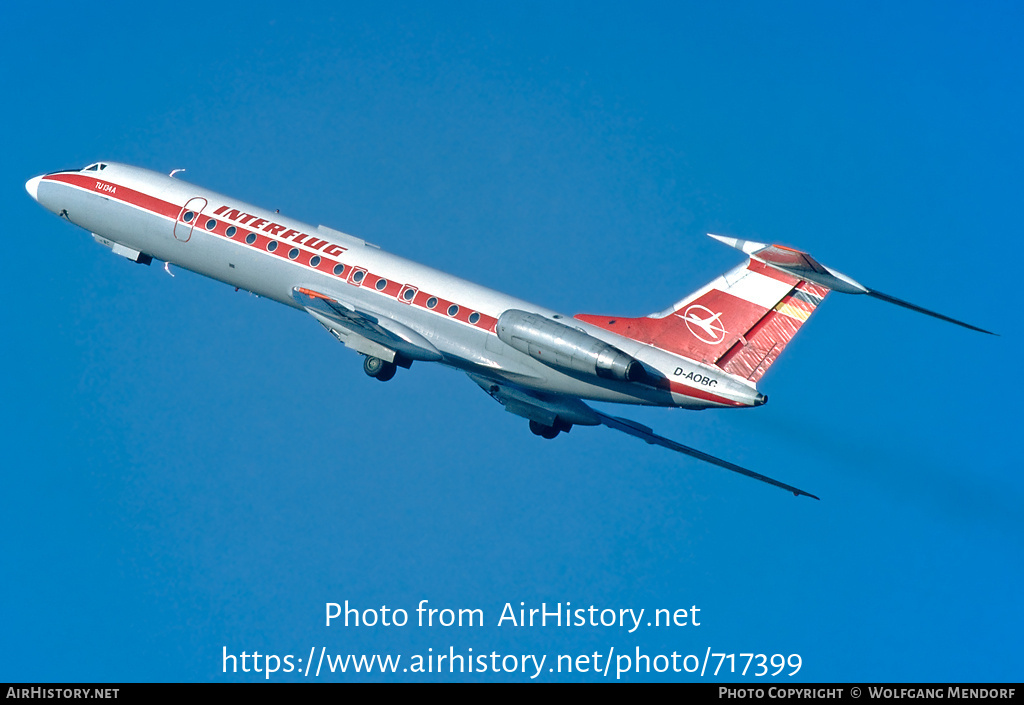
(707, 350)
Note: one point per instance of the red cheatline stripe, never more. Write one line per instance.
(169, 210)
(687, 391)
(120, 193)
(694, 392)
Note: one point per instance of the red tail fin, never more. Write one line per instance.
(740, 322)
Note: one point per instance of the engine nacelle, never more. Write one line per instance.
(566, 348)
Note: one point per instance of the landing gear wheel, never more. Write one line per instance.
(380, 369)
(543, 431)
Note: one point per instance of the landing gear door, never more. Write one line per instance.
(187, 218)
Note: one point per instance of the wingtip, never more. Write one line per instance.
(645, 434)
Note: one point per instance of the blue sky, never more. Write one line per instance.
(188, 468)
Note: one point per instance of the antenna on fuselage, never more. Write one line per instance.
(175, 172)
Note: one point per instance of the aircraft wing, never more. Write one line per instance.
(646, 434)
(365, 331)
(552, 409)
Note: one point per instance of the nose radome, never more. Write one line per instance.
(32, 186)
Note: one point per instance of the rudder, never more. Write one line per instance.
(740, 322)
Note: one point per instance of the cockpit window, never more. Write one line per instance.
(98, 166)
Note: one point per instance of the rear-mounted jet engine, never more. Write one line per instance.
(565, 348)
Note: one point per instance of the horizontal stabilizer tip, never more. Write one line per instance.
(802, 265)
(913, 307)
(746, 246)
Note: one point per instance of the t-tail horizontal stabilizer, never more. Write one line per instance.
(642, 432)
(802, 265)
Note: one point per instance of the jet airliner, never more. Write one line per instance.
(708, 350)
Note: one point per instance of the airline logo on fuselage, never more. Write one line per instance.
(279, 231)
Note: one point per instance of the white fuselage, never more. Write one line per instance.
(142, 213)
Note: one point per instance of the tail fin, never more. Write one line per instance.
(743, 320)
(740, 322)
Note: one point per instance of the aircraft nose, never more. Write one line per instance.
(32, 186)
